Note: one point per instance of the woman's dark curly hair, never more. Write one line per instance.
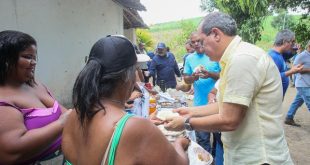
(11, 44)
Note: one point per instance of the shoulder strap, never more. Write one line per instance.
(48, 91)
(3, 103)
(116, 136)
(105, 157)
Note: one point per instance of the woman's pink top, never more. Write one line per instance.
(39, 117)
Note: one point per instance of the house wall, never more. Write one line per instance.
(65, 30)
(131, 35)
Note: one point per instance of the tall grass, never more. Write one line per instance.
(173, 25)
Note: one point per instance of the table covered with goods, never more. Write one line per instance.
(163, 104)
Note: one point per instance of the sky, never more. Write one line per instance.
(159, 11)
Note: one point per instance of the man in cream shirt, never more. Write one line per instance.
(248, 112)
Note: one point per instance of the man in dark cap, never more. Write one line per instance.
(164, 66)
(142, 48)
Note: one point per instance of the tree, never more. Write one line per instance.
(283, 21)
(302, 31)
(302, 28)
(294, 5)
(143, 35)
(177, 43)
(248, 15)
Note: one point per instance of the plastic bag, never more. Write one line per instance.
(197, 155)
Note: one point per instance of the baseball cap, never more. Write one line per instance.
(113, 53)
(161, 45)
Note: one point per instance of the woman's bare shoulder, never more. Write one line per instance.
(138, 123)
(40, 86)
(142, 131)
(141, 136)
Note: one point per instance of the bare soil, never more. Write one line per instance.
(298, 138)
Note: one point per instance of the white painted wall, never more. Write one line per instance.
(131, 35)
(65, 30)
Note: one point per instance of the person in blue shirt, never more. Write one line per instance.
(302, 84)
(203, 79)
(189, 50)
(164, 66)
(151, 55)
(285, 41)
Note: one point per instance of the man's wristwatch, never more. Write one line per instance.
(187, 125)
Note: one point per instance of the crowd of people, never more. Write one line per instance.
(234, 85)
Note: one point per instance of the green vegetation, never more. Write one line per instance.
(170, 33)
(173, 25)
(175, 34)
(144, 35)
(248, 15)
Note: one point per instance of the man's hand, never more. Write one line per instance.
(134, 95)
(183, 111)
(204, 73)
(175, 123)
(297, 68)
(211, 98)
(154, 119)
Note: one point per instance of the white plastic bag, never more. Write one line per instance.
(191, 135)
(197, 155)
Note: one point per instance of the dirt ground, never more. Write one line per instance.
(298, 138)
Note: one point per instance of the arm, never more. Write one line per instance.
(190, 79)
(279, 63)
(206, 74)
(152, 68)
(227, 120)
(234, 100)
(295, 69)
(214, 74)
(176, 69)
(183, 87)
(17, 143)
(199, 111)
(305, 70)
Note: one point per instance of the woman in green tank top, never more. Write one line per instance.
(99, 131)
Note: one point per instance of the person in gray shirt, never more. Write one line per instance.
(302, 84)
